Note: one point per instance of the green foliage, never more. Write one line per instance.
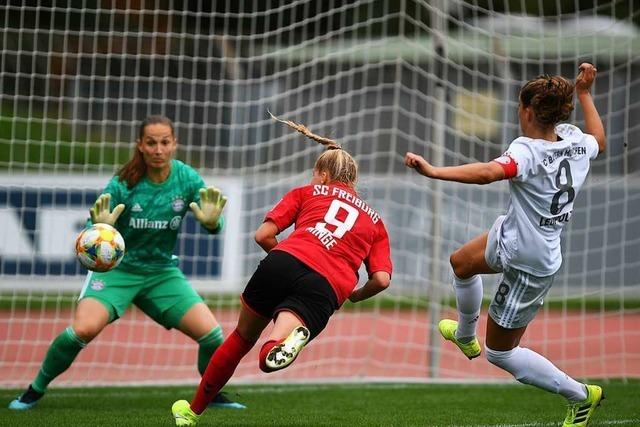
(39, 142)
(325, 405)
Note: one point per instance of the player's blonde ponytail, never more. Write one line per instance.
(329, 143)
(338, 164)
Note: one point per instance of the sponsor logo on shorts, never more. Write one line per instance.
(177, 204)
(97, 285)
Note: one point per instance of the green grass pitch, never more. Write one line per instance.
(327, 405)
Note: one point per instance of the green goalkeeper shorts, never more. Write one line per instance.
(165, 296)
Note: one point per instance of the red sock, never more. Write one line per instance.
(223, 363)
(266, 348)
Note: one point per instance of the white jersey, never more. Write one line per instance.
(549, 177)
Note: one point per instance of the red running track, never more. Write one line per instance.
(369, 345)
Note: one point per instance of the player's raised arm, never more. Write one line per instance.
(471, 173)
(593, 122)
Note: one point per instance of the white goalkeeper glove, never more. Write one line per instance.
(211, 204)
(101, 212)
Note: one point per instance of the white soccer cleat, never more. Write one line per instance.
(283, 354)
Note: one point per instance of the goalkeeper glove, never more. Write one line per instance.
(210, 210)
(100, 212)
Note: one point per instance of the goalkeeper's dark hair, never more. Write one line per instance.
(551, 98)
(135, 169)
(336, 162)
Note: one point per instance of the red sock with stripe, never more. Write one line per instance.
(264, 351)
(221, 367)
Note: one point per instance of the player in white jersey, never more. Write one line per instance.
(546, 168)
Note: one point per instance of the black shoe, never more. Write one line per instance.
(27, 400)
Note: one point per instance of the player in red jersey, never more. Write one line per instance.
(304, 278)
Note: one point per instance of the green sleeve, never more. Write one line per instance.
(220, 226)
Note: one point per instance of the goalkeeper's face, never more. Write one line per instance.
(158, 144)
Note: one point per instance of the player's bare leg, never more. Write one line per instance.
(502, 339)
(285, 322)
(250, 325)
(197, 321)
(469, 259)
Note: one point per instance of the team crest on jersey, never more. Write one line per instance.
(177, 204)
(174, 224)
(97, 285)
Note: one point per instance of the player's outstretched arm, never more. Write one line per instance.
(101, 212)
(378, 282)
(471, 173)
(266, 235)
(593, 122)
(210, 209)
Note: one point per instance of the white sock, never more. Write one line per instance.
(468, 301)
(529, 367)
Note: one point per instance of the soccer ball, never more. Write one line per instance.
(100, 247)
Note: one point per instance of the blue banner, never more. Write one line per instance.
(38, 228)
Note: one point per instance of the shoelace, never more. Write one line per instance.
(572, 409)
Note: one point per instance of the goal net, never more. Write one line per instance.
(440, 78)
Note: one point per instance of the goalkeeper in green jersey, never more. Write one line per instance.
(146, 201)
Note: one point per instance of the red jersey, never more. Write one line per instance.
(335, 232)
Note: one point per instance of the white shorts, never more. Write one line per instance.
(492, 251)
(519, 295)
